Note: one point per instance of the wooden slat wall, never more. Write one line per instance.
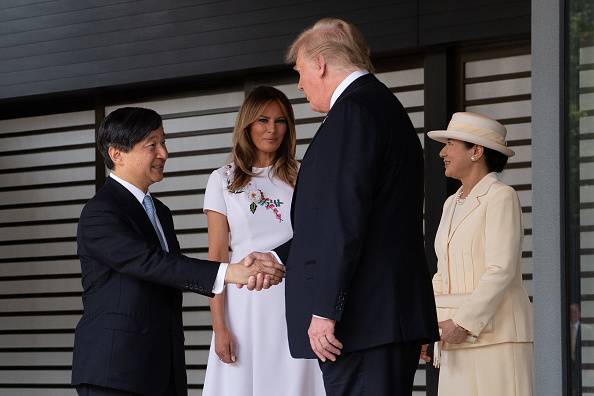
(47, 173)
(586, 199)
(500, 87)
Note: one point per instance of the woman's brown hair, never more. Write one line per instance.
(244, 153)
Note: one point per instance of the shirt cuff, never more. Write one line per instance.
(276, 255)
(219, 284)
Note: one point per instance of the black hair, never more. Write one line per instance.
(494, 160)
(123, 128)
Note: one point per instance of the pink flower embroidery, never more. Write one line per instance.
(253, 194)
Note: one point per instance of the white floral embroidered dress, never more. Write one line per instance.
(259, 220)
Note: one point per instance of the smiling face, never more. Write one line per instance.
(267, 133)
(143, 165)
(456, 158)
(311, 83)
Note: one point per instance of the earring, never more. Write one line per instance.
(473, 158)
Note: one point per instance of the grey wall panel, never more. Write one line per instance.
(442, 22)
(60, 46)
(44, 180)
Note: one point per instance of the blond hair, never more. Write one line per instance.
(342, 45)
(244, 153)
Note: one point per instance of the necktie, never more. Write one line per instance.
(572, 342)
(150, 211)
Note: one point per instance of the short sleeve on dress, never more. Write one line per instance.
(214, 197)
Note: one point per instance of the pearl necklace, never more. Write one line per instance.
(460, 201)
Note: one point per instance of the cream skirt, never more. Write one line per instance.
(493, 370)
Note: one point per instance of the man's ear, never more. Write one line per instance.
(321, 65)
(115, 155)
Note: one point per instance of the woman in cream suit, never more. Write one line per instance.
(484, 314)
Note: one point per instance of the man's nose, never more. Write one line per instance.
(162, 152)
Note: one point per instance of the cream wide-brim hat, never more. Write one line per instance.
(477, 129)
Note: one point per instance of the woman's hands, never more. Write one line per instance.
(225, 346)
(450, 333)
(424, 355)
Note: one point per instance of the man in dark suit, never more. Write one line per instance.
(578, 331)
(130, 339)
(358, 291)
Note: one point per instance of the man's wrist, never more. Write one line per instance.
(219, 283)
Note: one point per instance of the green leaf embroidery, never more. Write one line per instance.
(253, 207)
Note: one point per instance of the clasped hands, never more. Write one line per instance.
(448, 333)
(257, 270)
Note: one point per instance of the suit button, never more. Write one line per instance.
(200, 288)
(341, 297)
(481, 325)
(186, 285)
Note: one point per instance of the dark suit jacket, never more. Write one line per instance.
(130, 336)
(357, 253)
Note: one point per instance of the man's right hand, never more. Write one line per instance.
(257, 270)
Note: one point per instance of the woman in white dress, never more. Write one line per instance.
(248, 203)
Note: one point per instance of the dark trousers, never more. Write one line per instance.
(94, 390)
(385, 370)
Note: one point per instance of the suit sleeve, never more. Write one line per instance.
(503, 247)
(282, 251)
(345, 184)
(107, 236)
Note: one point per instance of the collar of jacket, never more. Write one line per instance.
(473, 200)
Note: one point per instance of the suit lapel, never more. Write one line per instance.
(472, 202)
(130, 205)
(467, 208)
(447, 226)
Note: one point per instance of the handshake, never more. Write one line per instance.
(257, 270)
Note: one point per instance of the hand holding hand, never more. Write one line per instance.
(257, 270)
(225, 346)
(450, 333)
(322, 340)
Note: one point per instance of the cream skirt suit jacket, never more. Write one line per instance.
(479, 253)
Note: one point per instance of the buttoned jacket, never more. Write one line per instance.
(130, 336)
(357, 253)
(479, 252)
